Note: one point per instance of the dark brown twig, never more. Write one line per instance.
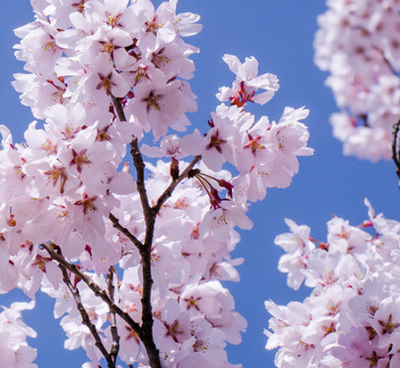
(395, 150)
(97, 290)
(85, 316)
(146, 335)
(140, 184)
(125, 231)
(113, 317)
(386, 60)
(168, 192)
(118, 106)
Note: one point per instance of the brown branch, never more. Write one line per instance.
(150, 214)
(168, 192)
(118, 106)
(147, 314)
(145, 254)
(113, 317)
(97, 290)
(395, 150)
(140, 184)
(145, 250)
(386, 60)
(85, 316)
(389, 64)
(125, 231)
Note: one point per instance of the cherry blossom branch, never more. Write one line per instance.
(118, 107)
(113, 317)
(147, 314)
(97, 290)
(137, 160)
(144, 332)
(395, 150)
(145, 254)
(140, 166)
(146, 335)
(168, 192)
(125, 231)
(388, 63)
(85, 317)
(150, 214)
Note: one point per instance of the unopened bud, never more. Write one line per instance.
(174, 168)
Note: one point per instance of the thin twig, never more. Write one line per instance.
(389, 64)
(395, 150)
(97, 290)
(386, 60)
(113, 317)
(85, 317)
(168, 192)
(125, 231)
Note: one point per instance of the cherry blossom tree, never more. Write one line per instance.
(128, 217)
(350, 318)
(133, 252)
(358, 44)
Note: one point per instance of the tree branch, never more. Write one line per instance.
(147, 314)
(145, 253)
(170, 189)
(386, 60)
(118, 106)
(141, 187)
(85, 316)
(125, 231)
(97, 290)
(146, 335)
(395, 150)
(150, 214)
(113, 318)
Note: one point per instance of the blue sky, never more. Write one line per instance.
(280, 35)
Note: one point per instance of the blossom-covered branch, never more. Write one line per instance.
(86, 319)
(94, 287)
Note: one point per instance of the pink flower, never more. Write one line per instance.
(14, 350)
(247, 83)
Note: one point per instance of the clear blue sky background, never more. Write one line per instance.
(279, 33)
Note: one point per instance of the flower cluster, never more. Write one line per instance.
(85, 52)
(138, 258)
(193, 313)
(351, 318)
(14, 351)
(358, 43)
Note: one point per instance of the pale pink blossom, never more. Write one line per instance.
(247, 83)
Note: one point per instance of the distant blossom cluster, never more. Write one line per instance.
(102, 74)
(14, 350)
(351, 318)
(358, 43)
